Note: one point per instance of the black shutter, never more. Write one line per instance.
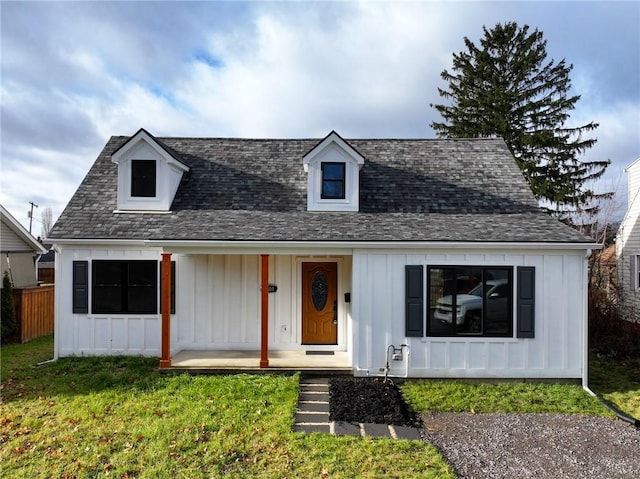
(81, 287)
(526, 302)
(414, 299)
(173, 287)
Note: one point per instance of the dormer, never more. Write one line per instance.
(148, 174)
(333, 175)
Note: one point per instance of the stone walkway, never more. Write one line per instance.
(312, 415)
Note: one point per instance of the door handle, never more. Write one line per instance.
(335, 312)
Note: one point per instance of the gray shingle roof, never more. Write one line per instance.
(243, 189)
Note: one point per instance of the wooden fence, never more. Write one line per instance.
(34, 311)
(46, 275)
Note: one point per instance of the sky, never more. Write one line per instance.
(75, 73)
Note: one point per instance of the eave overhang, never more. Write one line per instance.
(22, 233)
(319, 247)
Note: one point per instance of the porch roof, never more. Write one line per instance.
(459, 190)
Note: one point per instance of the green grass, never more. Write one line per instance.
(618, 382)
(117, 417)
(513, 397)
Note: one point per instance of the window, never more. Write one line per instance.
(333, 181)
(125, 287)
(143, 178)
(470, 301)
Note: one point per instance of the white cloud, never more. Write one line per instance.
(619, 141)
(46, 177)
(76, 73)
(618, 133)
(293, 76)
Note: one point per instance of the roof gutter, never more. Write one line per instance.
(382, 245)
(386, 245)
(94, 242)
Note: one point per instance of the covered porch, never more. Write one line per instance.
(252, 311)
(333, 362)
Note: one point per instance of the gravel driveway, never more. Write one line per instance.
(535, 445)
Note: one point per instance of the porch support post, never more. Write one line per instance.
(165, 291)
(264, 311)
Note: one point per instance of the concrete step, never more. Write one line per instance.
(312, 415)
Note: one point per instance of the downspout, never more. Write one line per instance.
(585, 322)
(57, 279)
(56, 305)
(585, 374)
(612, 408)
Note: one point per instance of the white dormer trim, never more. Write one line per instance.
(168, 173)
(333, 149)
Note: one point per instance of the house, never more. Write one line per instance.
(628, 248)
(19, 251)
(46, 265)
(416, 258)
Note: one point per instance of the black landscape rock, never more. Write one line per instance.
(369, 400)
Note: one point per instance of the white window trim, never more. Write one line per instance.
(142, 146)
(333, 149)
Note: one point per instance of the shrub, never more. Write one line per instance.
(9, 326)
(609, 334)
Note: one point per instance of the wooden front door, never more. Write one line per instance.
(319, 303)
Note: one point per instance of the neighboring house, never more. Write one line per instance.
(19, 251)
(47, 266)
(628, 248)
(324, 246)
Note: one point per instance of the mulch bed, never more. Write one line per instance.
(369, 400)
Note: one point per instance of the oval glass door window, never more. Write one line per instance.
(319, 290)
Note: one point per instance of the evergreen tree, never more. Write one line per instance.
(9, 326)
(507, 88)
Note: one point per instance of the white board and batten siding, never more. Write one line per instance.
(557, 350)
(219, 303)
(101, 334)
(219, 294)
(218, 307)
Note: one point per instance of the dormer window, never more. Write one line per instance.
(143, 178)
(333, 175)
(148, 174)
(333, 180)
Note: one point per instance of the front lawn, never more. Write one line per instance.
(506, 397)
(618, 382)
(117, 417)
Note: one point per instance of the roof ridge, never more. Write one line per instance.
(209, 138)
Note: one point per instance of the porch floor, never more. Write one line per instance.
(337, 362)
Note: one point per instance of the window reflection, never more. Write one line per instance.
(473, 301)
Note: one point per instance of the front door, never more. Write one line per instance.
(319, 303)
